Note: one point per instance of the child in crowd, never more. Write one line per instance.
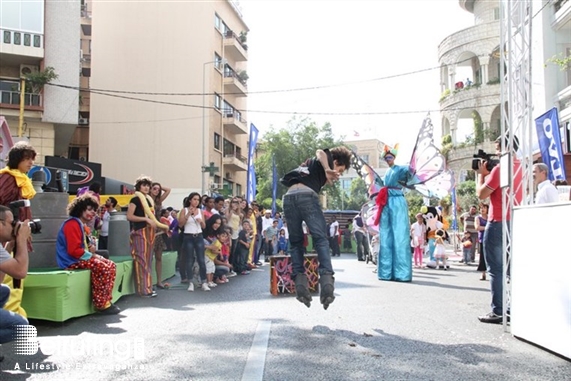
(209, 257)
(418, 234)
(467, 247)
(222, 266)
(282, 242)
(243, 248)
(440, 250)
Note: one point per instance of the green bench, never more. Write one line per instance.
(59, 295)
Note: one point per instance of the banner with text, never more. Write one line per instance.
(251, 186)
(549, 139)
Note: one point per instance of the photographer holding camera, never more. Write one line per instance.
(12, 233)
(488, 185)
(16, 185)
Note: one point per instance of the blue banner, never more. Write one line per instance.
(549, 139)
(274, 185)
(251, 186)
(454, 213)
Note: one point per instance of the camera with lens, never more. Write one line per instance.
(483, 156)
(35, 226)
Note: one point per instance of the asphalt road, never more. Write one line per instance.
(424, 330)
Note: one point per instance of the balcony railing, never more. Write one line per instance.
(85, 12)
(230, 73)
(13, 98)
(231, 34)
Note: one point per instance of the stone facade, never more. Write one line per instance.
(477, 48)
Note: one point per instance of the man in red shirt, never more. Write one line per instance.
(488, 185)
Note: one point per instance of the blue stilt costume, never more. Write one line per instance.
(394, 254)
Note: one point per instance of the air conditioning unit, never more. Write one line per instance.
(83, 121)
(214, 186)
(28, 69)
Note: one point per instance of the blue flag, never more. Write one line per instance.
(454, 214)
(549, 139)
(251, 185)
(274, 185)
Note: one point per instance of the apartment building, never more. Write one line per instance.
(34, 36)
(476, 96)
(477, 50)
(168, 93)
(551, 77)
(370, 151)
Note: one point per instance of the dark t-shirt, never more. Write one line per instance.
(311, 174)
(139, 212)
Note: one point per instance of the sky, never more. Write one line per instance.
(343, 51)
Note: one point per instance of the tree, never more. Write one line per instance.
(466, 195)
(35, 81)
(291, 146)
(415, 201)
(357, 195)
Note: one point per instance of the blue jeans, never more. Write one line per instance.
(299, 207)
(8, 319)
(192, 250)
(494, 255)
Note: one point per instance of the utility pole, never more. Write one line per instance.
(22, 98)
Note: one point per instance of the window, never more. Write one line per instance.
(228, 110)
(229, 148)
(217, 101)
(220, 25)
(217, 61)
(216, 141)
(217, 22)
(365, 158)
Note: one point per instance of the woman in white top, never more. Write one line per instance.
(192, 244)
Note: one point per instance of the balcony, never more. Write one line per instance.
(85, 12)
(234, 83)
(235, 162)
(472, 96)
(562, 14)
(11, 99)
(234, 123)
(234, 48)
(22, 44)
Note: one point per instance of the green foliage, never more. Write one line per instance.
(446, 139)
(339, 200)
(291, 145)
(564, 62)
(493, 81)
(415, 202)
(492, 134)
(478, 128)
(358, 194)
(36, 81)
(444, 95)
(466, 195)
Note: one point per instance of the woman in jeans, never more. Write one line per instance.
(192, 220)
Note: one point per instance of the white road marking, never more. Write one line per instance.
(254, 369)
